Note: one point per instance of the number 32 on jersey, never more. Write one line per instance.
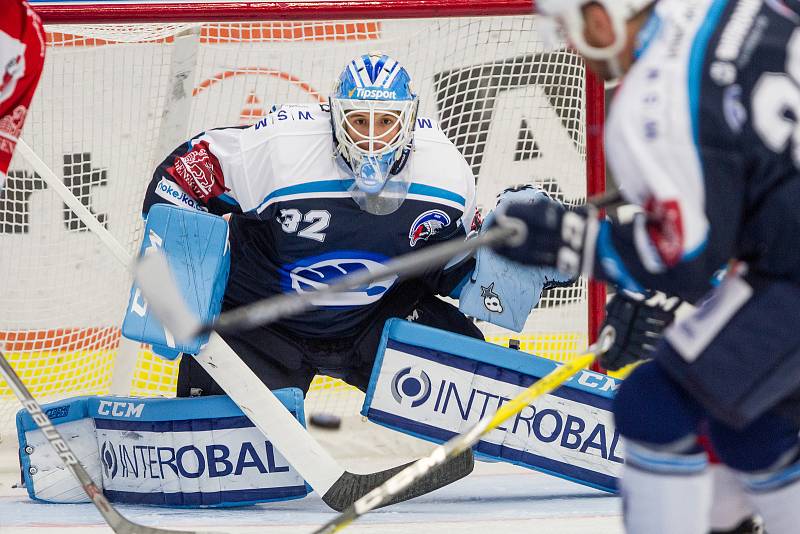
(318, 220)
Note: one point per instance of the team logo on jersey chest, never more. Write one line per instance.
(426, 225)
(317, 272)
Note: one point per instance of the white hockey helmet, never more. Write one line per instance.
(570, 15)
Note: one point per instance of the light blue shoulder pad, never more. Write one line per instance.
(501, 291)
(196, 246)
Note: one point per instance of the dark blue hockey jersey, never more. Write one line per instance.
(297, 226)
(704, 134)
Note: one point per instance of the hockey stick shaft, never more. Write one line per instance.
(154, 279)
(83, 213)
(443, 453)
(115, 520)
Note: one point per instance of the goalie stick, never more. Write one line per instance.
(337, 487)
(445, 453)
(118, 523)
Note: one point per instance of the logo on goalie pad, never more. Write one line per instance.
(120, 409)
(148, 461)
(411, 387)
(564, 424)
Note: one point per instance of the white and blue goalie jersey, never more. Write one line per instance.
(296, 226)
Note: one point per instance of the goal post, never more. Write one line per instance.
(123, 84)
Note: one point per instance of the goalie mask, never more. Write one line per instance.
(373, 111)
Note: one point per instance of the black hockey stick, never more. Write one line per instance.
(115, 520)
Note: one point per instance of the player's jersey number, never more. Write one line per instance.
(776, 104)
(319, 220)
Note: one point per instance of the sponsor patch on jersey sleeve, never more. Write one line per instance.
(199, 172)
(172, 193)
(665, 228)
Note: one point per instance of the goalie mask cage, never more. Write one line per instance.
(124, 84)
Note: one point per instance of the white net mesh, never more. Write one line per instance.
(112, 103)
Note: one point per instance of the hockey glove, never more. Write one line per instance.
(557, 237)
(638, 322)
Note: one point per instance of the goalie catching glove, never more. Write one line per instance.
(638, 322)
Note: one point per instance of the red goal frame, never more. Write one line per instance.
(119, 13)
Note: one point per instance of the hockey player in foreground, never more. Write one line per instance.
(702, 136)
(22, 47)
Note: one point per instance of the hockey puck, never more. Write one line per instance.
(325, 420)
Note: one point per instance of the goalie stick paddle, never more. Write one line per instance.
(337, 487)
(115, 520)
(443, 454)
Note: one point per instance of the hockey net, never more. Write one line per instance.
(116, 98)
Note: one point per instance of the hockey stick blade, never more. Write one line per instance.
(155, 280)
(118, 523)
(351, 487)
(337, 487)
(443, 454)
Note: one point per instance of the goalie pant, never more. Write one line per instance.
(22, 46)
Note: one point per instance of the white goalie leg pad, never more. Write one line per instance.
(434, 384)
(190, 452)
(665, 493)
(42, 469)
(776, 496)
(730, 503)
